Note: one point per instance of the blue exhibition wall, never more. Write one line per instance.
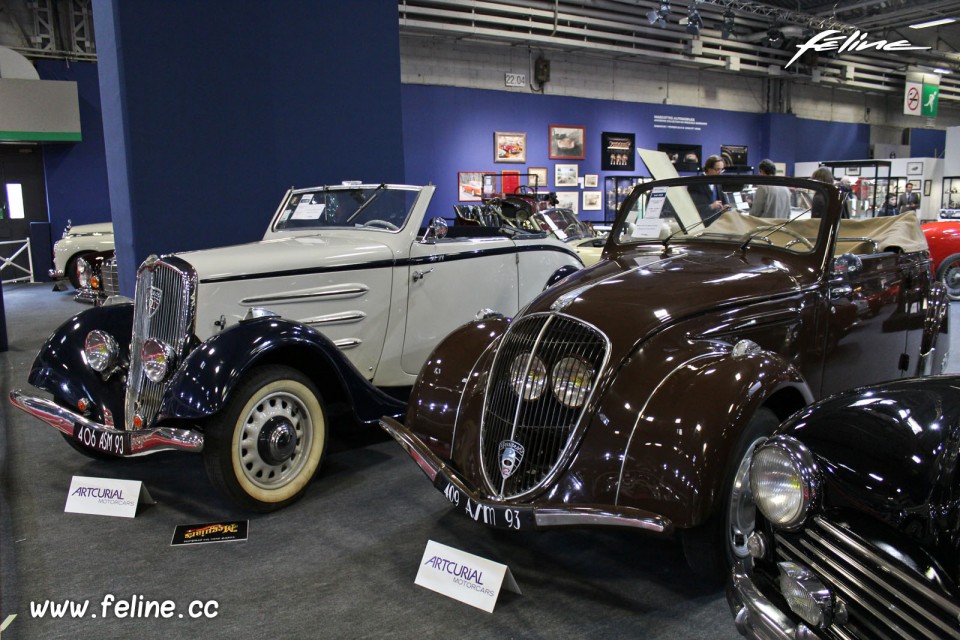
(76, 173)
(927, 143)
(449, 130)
(208, 121)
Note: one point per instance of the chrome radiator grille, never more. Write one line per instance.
(108, 277)
(165, 309)
(543, 426)
(883, 599)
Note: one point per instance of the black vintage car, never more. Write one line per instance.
(858, 514)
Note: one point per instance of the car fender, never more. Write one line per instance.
(60, 369)
(935, 322)
(202, 384)
(678, 451)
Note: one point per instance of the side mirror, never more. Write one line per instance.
(847, 264)
(436, 231)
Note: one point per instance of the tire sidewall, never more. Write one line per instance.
(950, 263)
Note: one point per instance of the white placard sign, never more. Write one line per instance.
(106, 497)
(647, 228)
(463, 576)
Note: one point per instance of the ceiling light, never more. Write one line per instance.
(932, 23)
(942, 71)
(726, 29)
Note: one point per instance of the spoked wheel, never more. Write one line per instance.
(949, 274)
(263, 449)
(713, 547)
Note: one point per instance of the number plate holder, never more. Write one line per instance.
(114, 444)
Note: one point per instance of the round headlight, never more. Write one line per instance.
(783, 479)
(528, 376)
(572, 379)
(100, 351)
(83, 272)
(157, 359)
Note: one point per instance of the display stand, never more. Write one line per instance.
(950, 198)
(615, 191)
(872, 178)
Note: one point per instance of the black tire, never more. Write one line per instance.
(949, 274)
(267, 443)
(712, 548)
(71, 269)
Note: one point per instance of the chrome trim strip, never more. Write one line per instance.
(578, 516)
(347, 343)
(755, 615)
(346, 292)
(343, 317)
(144, 441)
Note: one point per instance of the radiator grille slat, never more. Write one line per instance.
(543, 426)
(110, 281)
(165, 309)
(883, 600)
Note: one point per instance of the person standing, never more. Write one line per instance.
(770, 201)
(909, 201)
(710, 198)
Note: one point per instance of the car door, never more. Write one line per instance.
(449, 281)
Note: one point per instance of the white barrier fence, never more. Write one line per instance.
(8, 263)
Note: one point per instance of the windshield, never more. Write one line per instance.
(563, 223)
(734, 209)
(367, 206)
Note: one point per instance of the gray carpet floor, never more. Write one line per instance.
(338, 564)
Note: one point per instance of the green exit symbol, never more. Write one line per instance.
(931, 96)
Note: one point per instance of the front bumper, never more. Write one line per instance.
(140, 442)
(757, 617)
(508, 515)
(56, 274)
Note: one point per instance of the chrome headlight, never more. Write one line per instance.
(83, 272)
(784, 481)
(572, 380)
(528, 376)
(157, 359)
(100, 351)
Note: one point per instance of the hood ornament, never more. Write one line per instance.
(511, 454)
(156, 295)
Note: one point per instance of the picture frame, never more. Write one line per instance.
(566, 175)
(684, 157)
(917, 184)
(591, 180)
(853, 171)
(538, 177)
(469, 186)
(592, 201)
(915, 168)
(617, 151)
(927, 186)
(569, 200)
(734, 155)
(509, 146)
(566, 142)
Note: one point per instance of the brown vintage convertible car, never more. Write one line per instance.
(632, 393)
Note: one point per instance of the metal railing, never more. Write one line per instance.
(8, 262)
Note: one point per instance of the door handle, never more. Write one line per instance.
(840, 292)
(419, 275)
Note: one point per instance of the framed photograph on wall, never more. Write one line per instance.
(538, 178)
(566, 143)
(470, 186)
(734, 155)
(914, 168)
(916, 184)
(591, 180)
(565, 175)
(569, 200)
(592, 201)
(617, 151)
(853, 171)
(509, 146)
(927, 185)
(685, 157)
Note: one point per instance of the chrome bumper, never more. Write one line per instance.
(142, 441)
(547, 515)
(756, 617)
(56, 274)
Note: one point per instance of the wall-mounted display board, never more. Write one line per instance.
(685, 157)
(618, 151)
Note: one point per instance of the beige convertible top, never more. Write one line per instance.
(900, 233)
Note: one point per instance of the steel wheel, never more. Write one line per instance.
(949, 274)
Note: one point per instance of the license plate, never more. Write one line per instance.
(116, 444)
(492, 515)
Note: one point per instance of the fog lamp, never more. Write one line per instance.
(528, 376)
(784, 481)
(100, 350)
(806, 595)
(572, 379)
(157, 359)
(83, 273)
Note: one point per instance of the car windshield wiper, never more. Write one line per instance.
(772, 229)
(701, 222)
(373, 196)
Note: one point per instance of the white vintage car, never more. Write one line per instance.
(243, 352)
(77, 242)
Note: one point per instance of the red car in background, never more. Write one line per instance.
(944, 241)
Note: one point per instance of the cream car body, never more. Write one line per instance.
(76, 241)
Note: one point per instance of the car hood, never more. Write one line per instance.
(286, 256)
(632, 296)
(88, 229)
(889, 454)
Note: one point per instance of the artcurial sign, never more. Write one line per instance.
(833, 40)
(463, 576)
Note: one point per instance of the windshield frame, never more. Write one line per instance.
(375, 191)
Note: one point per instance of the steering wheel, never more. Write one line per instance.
(524, 190)
(747, 237)
(381, 223)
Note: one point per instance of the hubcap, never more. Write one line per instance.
(742, 514)
(952, 281)
(276, 437)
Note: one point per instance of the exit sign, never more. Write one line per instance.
(515, 79)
